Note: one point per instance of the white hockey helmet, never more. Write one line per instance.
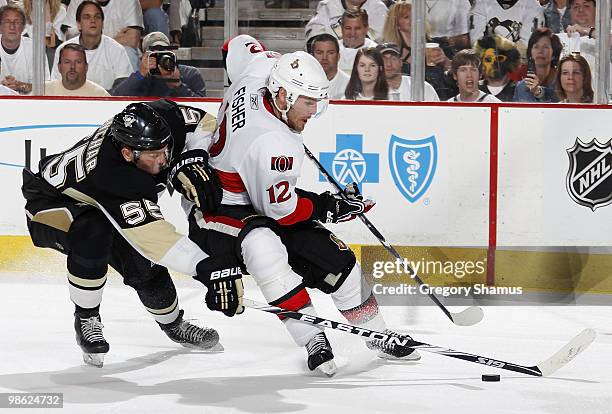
(299, 74)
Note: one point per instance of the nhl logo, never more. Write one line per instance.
(128, 120)
(295, 64)
(589, 179)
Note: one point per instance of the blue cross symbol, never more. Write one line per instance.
(349, 163)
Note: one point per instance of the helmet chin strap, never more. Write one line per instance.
(282, 112)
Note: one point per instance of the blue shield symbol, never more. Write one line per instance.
(413, 165)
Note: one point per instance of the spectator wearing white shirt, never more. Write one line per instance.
(107, 59)
(354, 37)
(399, 84)
(326, 50)
(73, 68)
(580, 36)
(123, 22)
(448, 22)
(329, 14)
(16, 67)
(465, 68)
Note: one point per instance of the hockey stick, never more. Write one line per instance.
(467, 317)
(545, 368)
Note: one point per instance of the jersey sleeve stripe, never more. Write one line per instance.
(231, 181)
(303, 211)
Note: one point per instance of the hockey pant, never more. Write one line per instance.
(90, 242)
(285, 260)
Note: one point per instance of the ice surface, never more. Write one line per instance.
(262, 371)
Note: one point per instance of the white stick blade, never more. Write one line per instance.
(468, 317)
(567, 353)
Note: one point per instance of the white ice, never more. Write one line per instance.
(262, 371)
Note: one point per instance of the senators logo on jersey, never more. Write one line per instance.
(282, 163)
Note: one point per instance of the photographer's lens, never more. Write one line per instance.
(167, 63)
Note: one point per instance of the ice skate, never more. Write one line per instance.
(192, 336)
(320, 355)
(392, 351)
(89, 337)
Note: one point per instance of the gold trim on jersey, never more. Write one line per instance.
(87, 283)
(208, 123)
(77, 195)
(58, 218)
(164, 311)
(155, 239)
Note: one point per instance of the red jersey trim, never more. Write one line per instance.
(293, 301)
(230, 221)
(303, 211)
(231, 181)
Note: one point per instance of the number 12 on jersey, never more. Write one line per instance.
(279, 192)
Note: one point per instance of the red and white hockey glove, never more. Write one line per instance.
(349, 204)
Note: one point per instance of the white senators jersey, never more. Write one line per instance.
(258, 158)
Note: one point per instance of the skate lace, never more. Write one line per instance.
(190, 332)
(92, 329)
(387, 347)
(316, 344)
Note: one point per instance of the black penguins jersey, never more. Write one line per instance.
(93, 171)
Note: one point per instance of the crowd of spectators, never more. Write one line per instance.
(103, 53)
(364, 46)
(507, 49)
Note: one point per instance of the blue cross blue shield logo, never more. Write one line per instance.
(413, 165)
(350, 163)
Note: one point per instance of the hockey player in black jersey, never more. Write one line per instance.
(97, 203)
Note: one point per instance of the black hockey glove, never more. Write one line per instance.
(336, 208)
(191, 175)
(223, 278)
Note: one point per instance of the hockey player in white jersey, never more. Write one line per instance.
(274, 226)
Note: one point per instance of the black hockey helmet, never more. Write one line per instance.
(141, 128)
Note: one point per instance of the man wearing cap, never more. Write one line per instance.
(399, 85)
(159, 74)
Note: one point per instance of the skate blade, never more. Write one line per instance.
(328, 368)
(412, 357)
(96, 360)
(215, 349)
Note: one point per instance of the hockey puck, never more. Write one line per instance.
(491, 377)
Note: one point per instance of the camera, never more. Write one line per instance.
(165, 59)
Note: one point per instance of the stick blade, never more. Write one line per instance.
(567, 353)
(468, 317)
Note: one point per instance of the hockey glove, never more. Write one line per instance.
(223, 278)
(191, 175)
(345, 206)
